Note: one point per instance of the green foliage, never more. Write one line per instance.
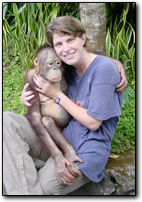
(124, 138)
(114, 12)
(13, 77)
(120, 42)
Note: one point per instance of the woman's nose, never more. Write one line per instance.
(65, 47)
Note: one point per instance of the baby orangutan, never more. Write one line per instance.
(45, 114)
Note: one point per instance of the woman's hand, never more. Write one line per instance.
(62, 173)
(26, 96)
(124, 82)
(47, 88)
(71, 157)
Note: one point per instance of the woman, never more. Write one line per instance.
(93, 103)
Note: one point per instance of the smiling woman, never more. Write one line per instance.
(69, 48)
(92, 101)
(70, 43)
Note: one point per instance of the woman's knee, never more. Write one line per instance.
(51, 187)
(47, 177)
(7, 119)
(6, 115)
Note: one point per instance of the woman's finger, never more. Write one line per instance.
(29, 97)
(120, 84)
(28, 93)
(39, 90)
(26, 86)
(74, 171)
(67, 181)
(37, 82)
(28, 104)
(41, 79)
(77, 158)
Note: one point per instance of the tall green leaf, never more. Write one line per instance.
(124, 48)
(133, 62)
(108, 43)
(15, 11)
(116, 50)
(5, 6)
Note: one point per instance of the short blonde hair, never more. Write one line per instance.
(65, 25)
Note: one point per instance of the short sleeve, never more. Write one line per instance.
(104, 101)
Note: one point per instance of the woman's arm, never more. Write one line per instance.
(79, 113)
(26, 96)
(124, 82)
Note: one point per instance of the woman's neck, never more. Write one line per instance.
(87, 59)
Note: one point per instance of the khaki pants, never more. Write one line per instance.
(20, 146)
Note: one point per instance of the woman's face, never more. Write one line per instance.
(69, 48)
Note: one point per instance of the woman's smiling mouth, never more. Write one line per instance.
(69, 56)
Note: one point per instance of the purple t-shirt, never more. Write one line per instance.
(95, 91)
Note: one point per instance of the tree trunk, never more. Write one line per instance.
(93, 18)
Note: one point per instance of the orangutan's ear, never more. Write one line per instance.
(36, 62)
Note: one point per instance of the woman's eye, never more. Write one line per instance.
(58, 45)
(70, 40)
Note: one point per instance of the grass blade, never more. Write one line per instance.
(108, 43)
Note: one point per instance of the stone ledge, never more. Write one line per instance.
(119, 178)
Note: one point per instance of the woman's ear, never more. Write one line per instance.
(84, 39)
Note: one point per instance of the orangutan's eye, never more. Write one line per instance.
(50, 64)
(58, 63)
